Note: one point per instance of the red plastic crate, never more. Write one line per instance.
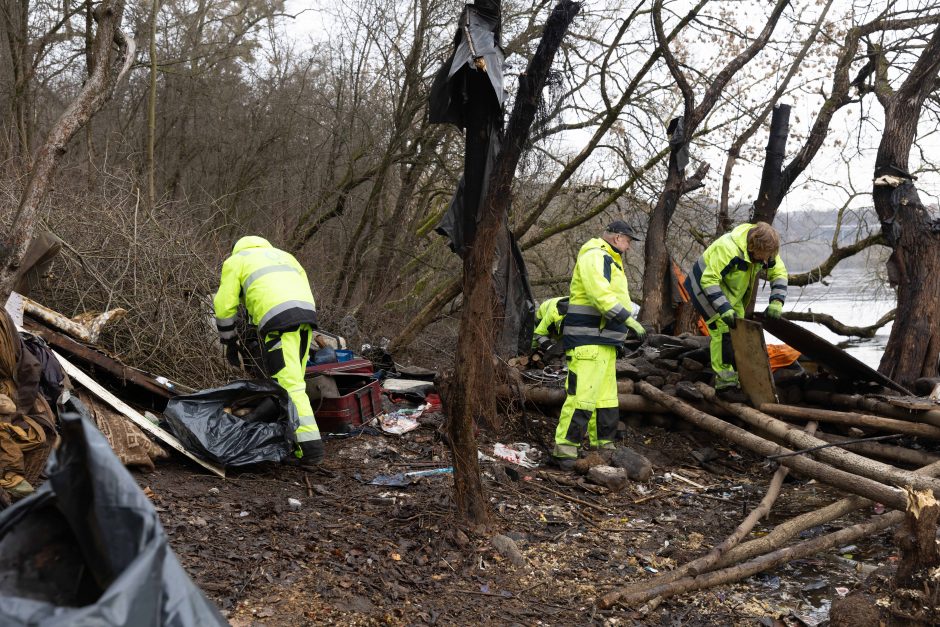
(339, 415)
(363, 366)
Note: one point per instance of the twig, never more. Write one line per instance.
(653, 496)
(839, 444)
(689, 481)
(309, 487)
(571, 498)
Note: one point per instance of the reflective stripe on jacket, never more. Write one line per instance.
(550, 319)
(270, 282)
(599, 303)
(724, 275)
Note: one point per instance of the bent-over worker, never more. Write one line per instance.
(549, 322)
(721, 282)
(276, 293)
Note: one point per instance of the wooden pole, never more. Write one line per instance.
(855, 484)
(853, 419)
(840, 458)
(883, 451)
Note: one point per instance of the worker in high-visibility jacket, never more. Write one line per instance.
(721, 282)
(273, 287)
(600, 314)
(549, 321)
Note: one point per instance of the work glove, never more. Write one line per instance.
(774, 309)
(637, 328)
(231, 354)
(729, 318)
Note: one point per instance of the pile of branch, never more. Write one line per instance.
(824, 458)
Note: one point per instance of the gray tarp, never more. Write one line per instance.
(88, 548)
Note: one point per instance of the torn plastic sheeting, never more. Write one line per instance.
(515, 453)
(87, 547)
(204, 427)
(401, 421)
(402, 479)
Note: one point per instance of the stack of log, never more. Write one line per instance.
(671, 379)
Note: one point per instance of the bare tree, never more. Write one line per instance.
(114, 53)
(911, 231)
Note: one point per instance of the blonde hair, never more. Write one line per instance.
(763, 239)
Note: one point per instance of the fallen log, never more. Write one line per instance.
(837, 457)
(790, 528)
(542, 395)
(884, 451)
(86, 328)
(852, 483)
(871, 405)
(853, 419)
(706, 562)
(759, 564)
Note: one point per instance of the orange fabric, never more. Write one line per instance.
(781, 355)
(680, 280)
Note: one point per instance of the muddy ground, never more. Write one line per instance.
(359, 554)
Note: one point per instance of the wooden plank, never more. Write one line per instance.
(98, 359)
(130, 413)
(752, 363)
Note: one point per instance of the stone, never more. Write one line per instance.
(506, 547)
(638, 467)
(583, 465)
(691, 365)
(614, 479)
(656, 381)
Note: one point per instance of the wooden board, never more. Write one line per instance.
(752, 363)
(130, 413)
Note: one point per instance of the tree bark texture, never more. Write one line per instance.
(472, 394)
(111, 62)
(909, 229)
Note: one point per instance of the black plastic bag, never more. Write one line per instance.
(204, 427)
(88, 549)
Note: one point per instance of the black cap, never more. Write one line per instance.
(621, 227)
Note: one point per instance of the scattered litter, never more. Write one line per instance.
(401, 421)
(294, 504)
(406, 478)
(518, 453)
(242, 514)
(213, 491)
(842, 591)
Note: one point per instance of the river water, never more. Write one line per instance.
(854, 297)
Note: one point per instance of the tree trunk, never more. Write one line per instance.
(111, 64)
(472, 393)
(152, 107)
(771, 190)
(914, 266)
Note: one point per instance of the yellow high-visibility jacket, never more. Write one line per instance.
(272, 285)
(724, 275)
(549, 319)
(599, 303)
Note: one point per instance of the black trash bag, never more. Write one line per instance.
(204, 427)
(87, 547)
